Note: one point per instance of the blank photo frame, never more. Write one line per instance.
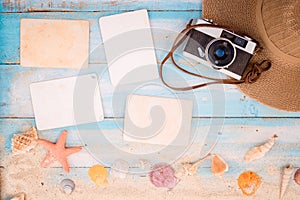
(157, 120)
(129, 47)
(51, 43)
(66, 102)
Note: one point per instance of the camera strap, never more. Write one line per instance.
(251, 76)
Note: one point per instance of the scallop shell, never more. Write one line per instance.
(286, 177)
(249, 182)
(98, 174)
(67, 185)
(163, 175)
(219, 166)
(25, 141)
(19, 196)
(297, 177)
(119, 169)
(260, 151)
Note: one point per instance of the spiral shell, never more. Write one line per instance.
(260, 151)
(67, 185)
(286, 177)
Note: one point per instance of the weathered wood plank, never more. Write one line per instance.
(165, 26)
(238, 136)
(94, 5)
(215, 101)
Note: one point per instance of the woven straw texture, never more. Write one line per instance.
(275, 24)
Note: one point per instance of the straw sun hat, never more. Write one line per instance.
(275, 24)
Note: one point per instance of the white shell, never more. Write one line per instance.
(260, 151)
(24, 142)
(119, 169)
(67, 186)
(286, 177)
(144, 164)
(190, 169)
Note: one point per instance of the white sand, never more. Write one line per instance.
(23, 173)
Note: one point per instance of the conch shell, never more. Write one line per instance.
(286, 177)
(219, 166)
(25, 141)
(249, 182)
(98, 175)
(260, 151)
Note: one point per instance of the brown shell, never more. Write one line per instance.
(297, 176)
(25, 141)
(218, 166)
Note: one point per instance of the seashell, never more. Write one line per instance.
(67, 186)
(119, 169)
(19, 196)
(190, 169)
(219, 166)
(25, 141)
(286, 177)
(98, 174)
(249, 182)
(297, 177)
(163, 175)
(260, 151)
(144, 164)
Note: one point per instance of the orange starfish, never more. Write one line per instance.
(58, 152)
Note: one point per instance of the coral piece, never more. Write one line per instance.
(297, 177)
(249, 182)
(163, 175)
(58, 152)
(260, 151)
(67, 186)
(219, 166)
(286, 177)
(190, 169)
(119, 169)
(19, 196)
(24, 142)
(98, 174)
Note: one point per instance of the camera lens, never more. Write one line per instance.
(220, 53)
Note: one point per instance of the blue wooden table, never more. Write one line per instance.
(242, 121)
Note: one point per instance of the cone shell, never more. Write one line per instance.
(286, 177)
(25, 141)
(249, 182)
(98, 174)
(218, 166)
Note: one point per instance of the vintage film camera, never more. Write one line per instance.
(221, 49)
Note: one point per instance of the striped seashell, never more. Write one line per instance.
(24, 142)
(67, 186)
(286, 177)
(260, 151)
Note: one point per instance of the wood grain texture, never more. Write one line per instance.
(215, 101)
(95, 5)
(165, 26)
(238, 136)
